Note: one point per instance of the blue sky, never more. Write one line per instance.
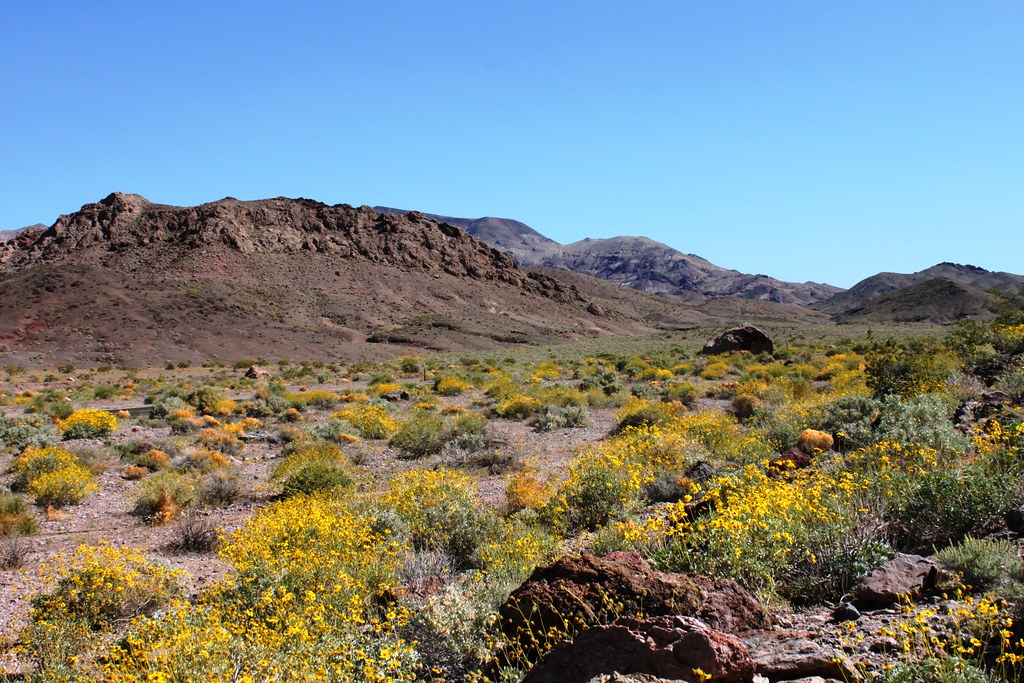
(817, 141)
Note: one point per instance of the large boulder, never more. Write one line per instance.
(577, 591)
(669, 647)
(901, 577)
(257, 372)
(746, 338)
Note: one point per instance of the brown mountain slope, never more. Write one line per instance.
(942, 293)
(136, 282)
(939, 300)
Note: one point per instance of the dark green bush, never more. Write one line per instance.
(315, 477)
(944, 506)
(982, 564)
(909, 367)
(423, 434)
(31, 430)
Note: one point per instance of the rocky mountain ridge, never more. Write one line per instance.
(638, 262)
(943, 293)
(140, 282)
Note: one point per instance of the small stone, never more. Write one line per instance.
(845, 612)
(1015, 520)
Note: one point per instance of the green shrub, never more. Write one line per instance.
(313, 478)
(311, 466)
(910, 367)
(469, 431)
(21, 432)
(944, 506)
(852, 417)
(163, 496)
(53, 403)
(219, 488)
(424, 433)
(982, 563)
(923, 419)
(165, 405)
(558, 418)
(16, 517)
(684, 392)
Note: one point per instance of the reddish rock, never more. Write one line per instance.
(792, 655)
(902, 576)
(669, 647)
(793, 459)
(577, 591)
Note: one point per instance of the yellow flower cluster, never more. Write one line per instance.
(53, 476)
(451, 386)
(88, 423)
(372, 421)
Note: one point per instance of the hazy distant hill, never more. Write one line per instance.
(942, 293)
(7, 235)
(636, 262)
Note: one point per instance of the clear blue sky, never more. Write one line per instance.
(815, 140)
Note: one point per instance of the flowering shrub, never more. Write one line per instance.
(52, 476)
(441, 512)
(311, 467)
(451, 386)
(518, 407)
(103, 585)
(371, 421)
(87, 424)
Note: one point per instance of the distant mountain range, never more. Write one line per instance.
(939, 294)
(130, 279)
(637, 262)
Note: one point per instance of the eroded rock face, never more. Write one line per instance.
(668, 647)
(585, 590)
(122, 222)
(904, 575)
(746, 338)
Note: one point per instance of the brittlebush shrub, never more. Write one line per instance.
(371, 421)
(52, 476)
(451, 386)
(311, 598)
(642, 413)
(101, 586)
(518, 407)
(441, 512)
(87, 424)
(312, 467)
